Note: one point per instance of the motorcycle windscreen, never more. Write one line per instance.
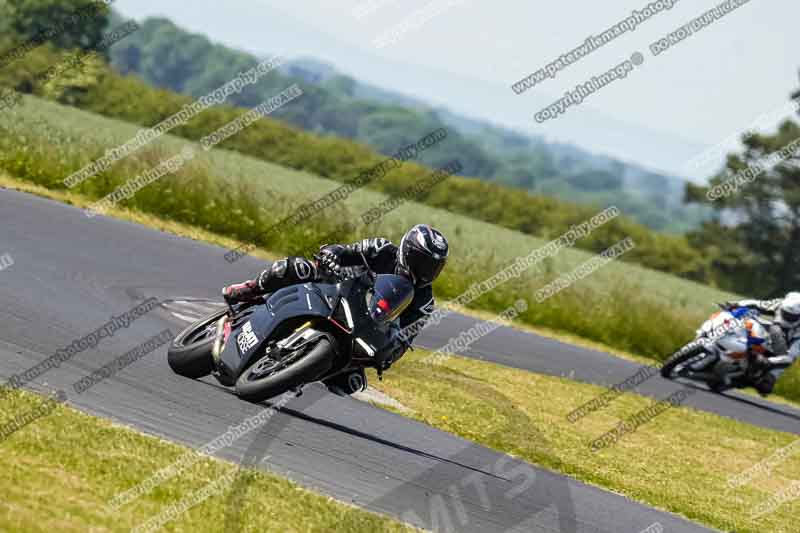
(389, 297)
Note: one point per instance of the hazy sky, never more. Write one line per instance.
(699, 92)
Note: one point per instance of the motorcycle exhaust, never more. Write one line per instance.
(219, 339)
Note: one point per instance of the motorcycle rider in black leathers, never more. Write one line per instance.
(784, 332)
(420, 257)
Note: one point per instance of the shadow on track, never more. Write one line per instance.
(373, 438)
(499, 497)
(741, 399)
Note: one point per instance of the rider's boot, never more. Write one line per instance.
(772, 369)
(765, 383)
(282, 273)
(758, 365)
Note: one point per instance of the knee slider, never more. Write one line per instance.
(276, 271)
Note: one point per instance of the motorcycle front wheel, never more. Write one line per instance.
(267, 377)
(681, 356)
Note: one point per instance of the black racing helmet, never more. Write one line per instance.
(422, 254)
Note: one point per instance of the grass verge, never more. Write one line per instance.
(679, 461)
(59, 472)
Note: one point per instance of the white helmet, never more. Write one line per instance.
(789, 311)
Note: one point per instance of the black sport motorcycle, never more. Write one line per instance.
(317, 331)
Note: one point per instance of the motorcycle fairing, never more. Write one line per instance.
(296, 301)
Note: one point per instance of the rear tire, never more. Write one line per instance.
(308, 368)
(193, 359)
(679, 357)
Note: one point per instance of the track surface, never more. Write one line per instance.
(71, 274)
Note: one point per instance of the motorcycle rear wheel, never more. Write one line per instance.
(309, 367)
(190, 353)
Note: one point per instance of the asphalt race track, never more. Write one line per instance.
(72, 273)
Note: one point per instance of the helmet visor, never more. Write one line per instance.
(423, 266)
(791, 318)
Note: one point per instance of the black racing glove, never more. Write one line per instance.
(329, 259)
(394, 349)
(389, 355)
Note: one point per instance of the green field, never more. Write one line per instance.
(44, 142)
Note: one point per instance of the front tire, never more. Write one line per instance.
(679, 357)
(308, 368)
(189, 354)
